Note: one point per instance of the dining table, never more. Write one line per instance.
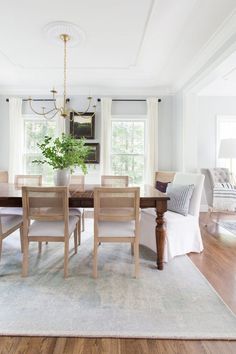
(81, 196)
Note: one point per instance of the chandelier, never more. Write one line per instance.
(64, 110)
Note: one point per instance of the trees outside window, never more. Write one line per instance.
(128, 149)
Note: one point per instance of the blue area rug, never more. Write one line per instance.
(175, 303)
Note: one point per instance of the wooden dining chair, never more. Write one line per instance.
(3, 176)
(46, 219)
(9, 224)
(114, 181)
(117, 219)
(78, 180)
(28, 180)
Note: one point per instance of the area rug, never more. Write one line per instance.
(228, 225)
(177, 302)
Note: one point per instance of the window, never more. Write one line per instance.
(226, 129)
(34, 131)
(128, 148)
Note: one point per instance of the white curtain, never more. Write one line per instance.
(60, 121)
(16, 138)
(106, 103)
(152, 138)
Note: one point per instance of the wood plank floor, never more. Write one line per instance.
(217, 263)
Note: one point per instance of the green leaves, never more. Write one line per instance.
(64, 152)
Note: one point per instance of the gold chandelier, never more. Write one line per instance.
(64, 110)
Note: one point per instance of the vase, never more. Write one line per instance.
(62, 177)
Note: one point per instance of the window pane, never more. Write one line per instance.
(35, 131)
(127, 137)
(128, 165)
(226, 129)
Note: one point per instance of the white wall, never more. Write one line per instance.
(208, 109)
(165, 131)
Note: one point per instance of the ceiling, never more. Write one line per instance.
(130, 45)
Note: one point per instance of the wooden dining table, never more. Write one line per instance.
(81, 196)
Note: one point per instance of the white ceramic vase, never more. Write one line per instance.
(62, 177)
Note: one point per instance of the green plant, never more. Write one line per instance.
(64, 152)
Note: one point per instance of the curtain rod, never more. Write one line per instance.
(40, 100)
(128, 100)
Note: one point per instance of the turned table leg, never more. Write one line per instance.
(161, 207)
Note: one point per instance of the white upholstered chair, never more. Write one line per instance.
(46, 219)
(117, 219)
(182, 232)
(218, 182)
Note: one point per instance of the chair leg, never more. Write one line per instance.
(40, 247)
(83, 220)
(66, 256)
(25, 258)
(95, 260)
(208, 217)
(136, 257)
(0, 247)
(132, 249)
(21, 239)
(76, 239)
(79, 231)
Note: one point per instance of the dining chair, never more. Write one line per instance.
(28, 180)
(19, 181)
(117, 219)
(3, 176)
(78, 180)
(9, 224)
(114, 181)
(46, 219)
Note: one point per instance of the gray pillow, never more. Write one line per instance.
(180, 196)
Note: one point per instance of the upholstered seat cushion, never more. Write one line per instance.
(75, 211)
(10, 221)
(183, 233)
(51, 228)
(11, 211)
(116, 229)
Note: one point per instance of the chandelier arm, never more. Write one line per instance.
(51, 117)
(86, 111)
(54, 100)
(42, 113)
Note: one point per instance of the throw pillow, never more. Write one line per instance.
(161, 186)
(180, 196)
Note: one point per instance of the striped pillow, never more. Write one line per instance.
(180, 196)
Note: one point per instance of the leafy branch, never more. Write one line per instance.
(64, 152)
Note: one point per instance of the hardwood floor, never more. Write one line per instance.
(217, 263)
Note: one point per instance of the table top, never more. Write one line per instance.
(79, 195)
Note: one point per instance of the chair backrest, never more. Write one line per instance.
(213, 176)
(28, 180)
(115, 181)
(45, 203)
(116, 204)
(164, 176)
(3, 176)
(192, 178)
(77, 179)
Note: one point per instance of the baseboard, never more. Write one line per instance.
(204, 208)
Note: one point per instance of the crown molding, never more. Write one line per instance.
(221, 44)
